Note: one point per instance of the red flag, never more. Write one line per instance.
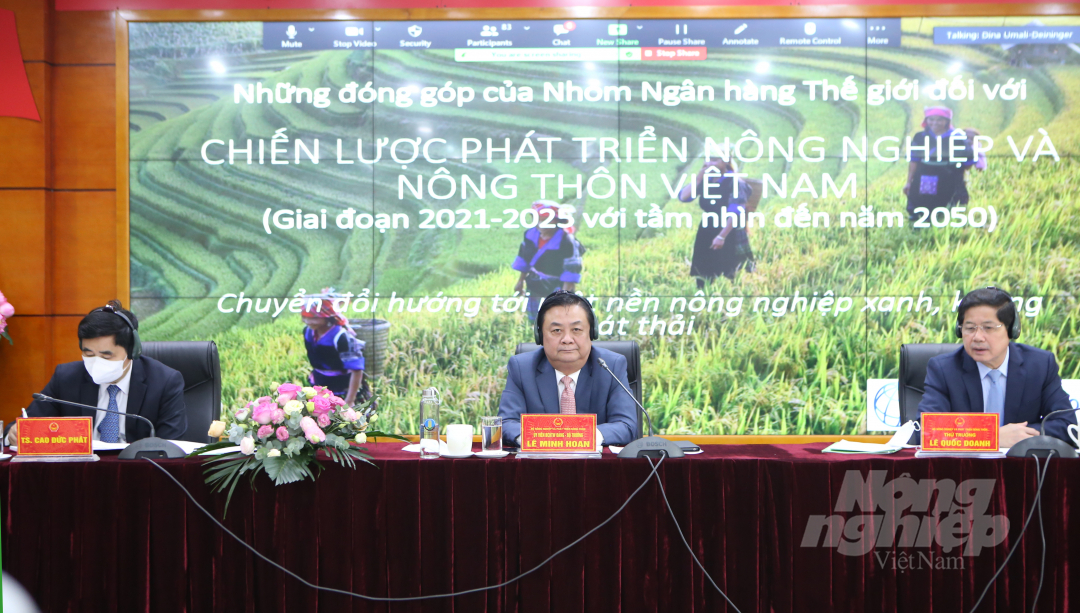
(18, 101)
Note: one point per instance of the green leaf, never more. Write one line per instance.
(283, 469)
(210, 447)
(381, 434)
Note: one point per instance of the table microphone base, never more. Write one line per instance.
(152, 448)
(1041, 446)
(653, 447)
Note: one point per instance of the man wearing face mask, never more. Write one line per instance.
(113, 375)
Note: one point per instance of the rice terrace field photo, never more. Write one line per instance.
(411, 206)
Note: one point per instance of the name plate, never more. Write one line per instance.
(547, 433)
(960, 432)
(55, 436)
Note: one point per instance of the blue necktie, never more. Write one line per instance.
(995, 399)
(109, 428)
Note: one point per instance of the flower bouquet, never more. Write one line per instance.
(6, 311)
(281, 436)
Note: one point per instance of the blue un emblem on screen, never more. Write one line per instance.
(887, 405)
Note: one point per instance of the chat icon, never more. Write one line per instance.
(564, 28)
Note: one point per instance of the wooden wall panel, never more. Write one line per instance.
(64, 345)
(24, 162)
(84, 127)
(24, 278)
(85, 250)
(22, 376)
(83, 37)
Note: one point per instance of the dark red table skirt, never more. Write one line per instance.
(120, 536)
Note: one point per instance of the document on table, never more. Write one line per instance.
(845, 446)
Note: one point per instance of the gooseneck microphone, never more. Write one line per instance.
(151, 447)
(1043, 446)
(649, 446)
(628, 393)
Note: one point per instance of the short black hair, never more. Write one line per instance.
(989, 296)
(564, 298)
(102, 322)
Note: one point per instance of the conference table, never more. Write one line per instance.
(118, 535)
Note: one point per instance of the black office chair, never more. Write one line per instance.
(913, 360)
(630, 351)
(197, 362)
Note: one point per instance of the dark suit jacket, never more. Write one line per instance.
(156, 393)
(1032, 388)
(531, 388)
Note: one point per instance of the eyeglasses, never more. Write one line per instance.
(987, 329)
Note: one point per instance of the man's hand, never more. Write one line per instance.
(1011, 434)
(13, 435)
(717, 243)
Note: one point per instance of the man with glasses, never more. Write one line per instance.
(995, 375)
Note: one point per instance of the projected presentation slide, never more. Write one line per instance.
(770, 207)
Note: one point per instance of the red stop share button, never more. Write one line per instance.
(673, 53)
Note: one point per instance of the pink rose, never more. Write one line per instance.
(264, 413)
(282, 399)
(247, 445)
(289, 388)
(6, 310)
(282, 434)
(324, 420)
(349, 415)
(322, 405)
(241, 414)
(265, 431)
(337, 401)
(278, 416)
(311, 430)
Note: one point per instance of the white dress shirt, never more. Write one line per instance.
(985, 380)
(121, 404)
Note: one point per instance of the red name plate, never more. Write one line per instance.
(55, 436)
(558, 433)
(960, 432)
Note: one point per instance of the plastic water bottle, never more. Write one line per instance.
(429, 423)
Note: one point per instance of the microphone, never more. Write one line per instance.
(649, 446)
(1043, 446)
(152, 447)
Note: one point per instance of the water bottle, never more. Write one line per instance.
(429, 423)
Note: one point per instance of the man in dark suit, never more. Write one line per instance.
(113, 375)
(992, 374)
(565, 376)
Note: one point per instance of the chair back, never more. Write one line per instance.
(913, 360)
(198, 364)
(629, 350)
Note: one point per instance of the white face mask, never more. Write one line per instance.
(102, 370)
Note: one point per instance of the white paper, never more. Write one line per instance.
(188, 446)
(103, 446)
(223, 450)
(415, 448)
(846, 446)
(615, 449)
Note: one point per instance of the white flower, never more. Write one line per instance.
(247, 445)
(372, 419)
(242, 414)
(309, 392)
(273, 453)
(361, 438)
(293, 406)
